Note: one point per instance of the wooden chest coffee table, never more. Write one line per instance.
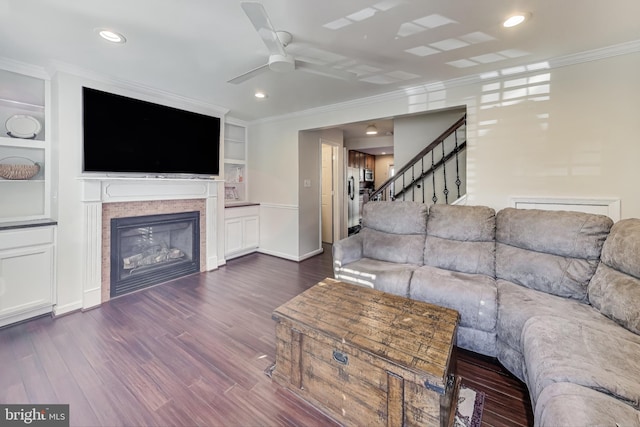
(366, 357)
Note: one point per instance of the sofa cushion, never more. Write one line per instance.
(397, 217)
(474, 296)
(478, 341)
(599, 355)
(551, 251)
(566, 404)
(516, 305)
(461, 238)
(386, 276)
(347, 250)
(615, 287)
(621, 250)
(400, 248)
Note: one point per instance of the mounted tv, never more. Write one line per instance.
(128, 136)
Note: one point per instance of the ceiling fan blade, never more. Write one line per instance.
(249, 74)
(260, 20)
(325, 71)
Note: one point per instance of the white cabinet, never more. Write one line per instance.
(235, 162)
(241, 230)
(27, 277)
(24, 106)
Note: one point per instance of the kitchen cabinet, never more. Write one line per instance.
(241, 230)
(358, 159)
(27, 273)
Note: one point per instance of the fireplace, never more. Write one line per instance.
(151, 249)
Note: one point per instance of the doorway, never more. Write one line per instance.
(329, 190)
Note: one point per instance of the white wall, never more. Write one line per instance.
(309, 161)
(365, 142)
(570, 131)
(69, 254)
(411, 134)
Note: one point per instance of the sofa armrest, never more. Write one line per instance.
(347, 250)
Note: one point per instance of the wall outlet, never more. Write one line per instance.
(307, 183)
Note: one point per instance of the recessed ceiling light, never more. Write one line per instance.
(111, 36)
(516, 19)
(261, 95)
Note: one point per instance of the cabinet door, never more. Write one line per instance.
(232, 235)
(251, 232)
(26, 280)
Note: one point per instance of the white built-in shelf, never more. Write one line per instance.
(235, 161)
(19, 105)
(7, 141)
(235, 155)
(238, 141)
(25, 94)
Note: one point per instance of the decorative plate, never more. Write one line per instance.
(23, 126)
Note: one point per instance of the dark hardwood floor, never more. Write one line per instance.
(193, 352)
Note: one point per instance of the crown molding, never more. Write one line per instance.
(558, 62)
(24, 68)
(596, 54)
(62, 67)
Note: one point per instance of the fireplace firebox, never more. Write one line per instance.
(151, 249)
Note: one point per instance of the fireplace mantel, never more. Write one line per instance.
(99, 190)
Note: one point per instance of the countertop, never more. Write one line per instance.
(239, 204)
(27, 224)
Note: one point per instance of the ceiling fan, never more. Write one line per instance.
(276, 41)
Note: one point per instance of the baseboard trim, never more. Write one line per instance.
(291, 257)
(59, 310)
(91, 298)
(311, 254)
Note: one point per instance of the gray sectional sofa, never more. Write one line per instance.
(554, 295)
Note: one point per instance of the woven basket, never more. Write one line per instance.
(17, 170)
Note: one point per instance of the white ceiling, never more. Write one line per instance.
(193, 47)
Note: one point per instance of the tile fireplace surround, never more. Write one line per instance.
(106, 198)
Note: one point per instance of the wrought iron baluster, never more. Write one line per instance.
(433, 178)
(457, 150)
(444, 176)
(413, 184)
(422, 176)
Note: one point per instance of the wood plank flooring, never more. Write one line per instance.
(193, 352)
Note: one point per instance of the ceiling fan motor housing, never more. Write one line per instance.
(281, 63)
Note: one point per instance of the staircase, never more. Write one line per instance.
(433, 175)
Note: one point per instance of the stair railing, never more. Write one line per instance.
(428, 170)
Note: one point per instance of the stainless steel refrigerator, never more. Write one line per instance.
(353, 197)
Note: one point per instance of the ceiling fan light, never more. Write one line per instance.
(371, 130)
(281, 63)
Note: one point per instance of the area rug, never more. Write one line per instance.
(468, 410)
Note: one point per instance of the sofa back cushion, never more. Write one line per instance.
(615, 287)
(394, 231)
(396, 217)
(461, 238)
(551, 251)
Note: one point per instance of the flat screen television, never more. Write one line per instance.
(122, 135)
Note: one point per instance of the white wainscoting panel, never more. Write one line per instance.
(603, 206)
